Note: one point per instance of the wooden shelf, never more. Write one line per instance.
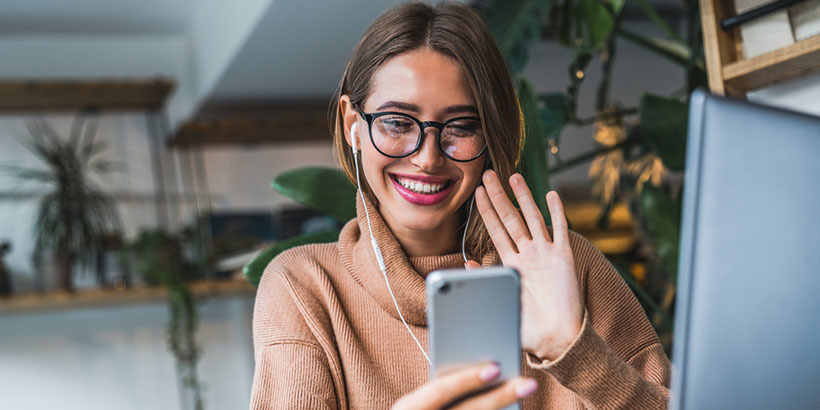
(59, 300)
(730, 73)
(85, 94)
(790, 62)
(232, 130)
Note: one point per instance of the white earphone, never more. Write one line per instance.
(376, 250)
(353, 129)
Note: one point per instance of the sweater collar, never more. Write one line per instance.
(406, 274)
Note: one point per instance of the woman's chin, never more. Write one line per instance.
(417, 223)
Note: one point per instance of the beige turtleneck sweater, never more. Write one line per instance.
(326, 333)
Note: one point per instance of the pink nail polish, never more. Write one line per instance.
(489, 372)
(525, 389)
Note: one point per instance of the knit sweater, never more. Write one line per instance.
(327, 335)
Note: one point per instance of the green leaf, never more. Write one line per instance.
(598, 22)
(663, 124)
(673, 50)
(534, 164)
(515, 26)
(325, 189)
(254, 269)
(659, 21)
(661, 214)
(554, 113)
(584, 24)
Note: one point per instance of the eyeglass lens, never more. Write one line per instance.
(397, 135)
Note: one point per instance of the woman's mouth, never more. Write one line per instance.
(422, 190)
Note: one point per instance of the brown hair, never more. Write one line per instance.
(457, 31)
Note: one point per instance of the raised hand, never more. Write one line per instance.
(551, 304)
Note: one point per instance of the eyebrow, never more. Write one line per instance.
(453, 109)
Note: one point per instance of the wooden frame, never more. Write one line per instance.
(730, 73)
(228, 130)
(75, 94)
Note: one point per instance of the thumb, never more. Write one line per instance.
(472, 265)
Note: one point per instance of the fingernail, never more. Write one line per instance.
(489, 372)
(526, 388)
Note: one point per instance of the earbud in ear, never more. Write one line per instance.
(353, 129)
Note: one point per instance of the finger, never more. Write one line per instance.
(532, 215)
(501, 239)
(443, 390)
(472, 265)
(502, 396)
(510, 216)
(559, 220)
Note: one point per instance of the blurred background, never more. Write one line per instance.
(139, 142)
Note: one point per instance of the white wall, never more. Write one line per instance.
(801, 94)
(116, 358)
(216, 32)
(240, 177)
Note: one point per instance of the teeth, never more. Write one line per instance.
(420, 187)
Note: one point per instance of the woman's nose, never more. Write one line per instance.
(429, 156)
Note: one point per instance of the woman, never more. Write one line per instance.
(427, 100)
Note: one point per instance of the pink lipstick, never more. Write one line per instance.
(422, 189)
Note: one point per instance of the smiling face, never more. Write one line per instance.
(419, 194)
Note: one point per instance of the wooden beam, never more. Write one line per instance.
(783, 64)
(230, 130)
(84, 94)
(61, 300)
(720, 47)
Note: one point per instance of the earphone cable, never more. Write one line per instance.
(467, 225)
(380, 259)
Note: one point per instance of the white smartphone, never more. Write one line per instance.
(474, 316)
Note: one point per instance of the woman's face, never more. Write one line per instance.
(421, 192)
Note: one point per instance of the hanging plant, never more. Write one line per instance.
(159, 258)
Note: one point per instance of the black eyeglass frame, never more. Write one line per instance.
(370, 117)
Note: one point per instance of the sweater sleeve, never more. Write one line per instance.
(616, 361)
(291, 375)
(291, 368)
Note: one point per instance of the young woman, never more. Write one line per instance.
(428, 104)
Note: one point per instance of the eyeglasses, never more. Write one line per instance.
(397, 135)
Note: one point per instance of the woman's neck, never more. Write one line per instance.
(442, 240)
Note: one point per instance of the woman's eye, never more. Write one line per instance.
(399, 125)
(463, 128)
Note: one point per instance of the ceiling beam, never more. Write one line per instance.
(232, 130)
(84, 94)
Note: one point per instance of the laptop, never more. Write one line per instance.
(748, 310)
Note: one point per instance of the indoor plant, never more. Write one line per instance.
(74, 214)
(159, 258)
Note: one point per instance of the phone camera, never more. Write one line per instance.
(444, 289)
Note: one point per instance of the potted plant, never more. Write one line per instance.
(74, 214)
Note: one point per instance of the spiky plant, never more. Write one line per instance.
(74, 214)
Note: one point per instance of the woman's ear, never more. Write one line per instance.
(349, 117)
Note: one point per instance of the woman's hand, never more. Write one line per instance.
(441, 391)
(551, 306)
